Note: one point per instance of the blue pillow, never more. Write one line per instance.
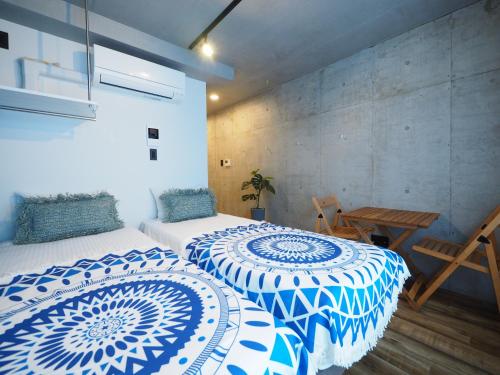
(186, 204)
(44, 219)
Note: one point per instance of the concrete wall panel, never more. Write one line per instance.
(416, 59)
(348, 82)
(476, 40)
(299, 98)
(346, 158)
(411, 138)
(475, 158)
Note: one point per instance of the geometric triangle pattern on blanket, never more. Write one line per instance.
(140, 312)
(313, 283)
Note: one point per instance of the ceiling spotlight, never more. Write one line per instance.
(214, 97)
(207, 49)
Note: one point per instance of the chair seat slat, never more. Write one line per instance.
(481, 245)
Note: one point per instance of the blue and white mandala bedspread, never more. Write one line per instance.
(141, 312)
(338, 295)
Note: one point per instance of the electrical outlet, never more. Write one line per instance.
(153, 154)
(225, 163)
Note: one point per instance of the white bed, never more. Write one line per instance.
(307, 280)
(178, 235)
(19, 259)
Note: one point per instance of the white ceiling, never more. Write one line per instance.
(269, 42)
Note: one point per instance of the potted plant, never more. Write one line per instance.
(259, 183)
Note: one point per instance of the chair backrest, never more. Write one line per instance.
(483, 237)
(320, 204)
(486, 228)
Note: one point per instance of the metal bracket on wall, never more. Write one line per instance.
(89, 92)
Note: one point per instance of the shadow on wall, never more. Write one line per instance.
(8, 226)
(28, 127)
(80, 62)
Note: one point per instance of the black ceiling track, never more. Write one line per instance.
(214, 23)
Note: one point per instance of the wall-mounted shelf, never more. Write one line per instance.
(23, 100)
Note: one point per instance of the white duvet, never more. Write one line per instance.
(20, 259)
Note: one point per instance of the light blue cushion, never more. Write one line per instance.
(43, 219)
(186, 204)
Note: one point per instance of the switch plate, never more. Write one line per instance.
(153, 135)
(153, 154)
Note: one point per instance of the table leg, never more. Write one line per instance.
(386, 232)
(396, 243)
(361, 232)
(420, 279)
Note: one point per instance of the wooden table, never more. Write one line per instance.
(386, 218)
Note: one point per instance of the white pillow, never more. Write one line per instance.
(160, 213)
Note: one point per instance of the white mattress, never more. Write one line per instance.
(20, 259)
(178, 235)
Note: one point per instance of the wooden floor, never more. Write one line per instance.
(445, 337)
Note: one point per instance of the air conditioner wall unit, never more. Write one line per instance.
(118, 69)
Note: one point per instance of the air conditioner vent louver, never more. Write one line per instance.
(117, 69)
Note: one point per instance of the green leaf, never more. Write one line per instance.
(248, 197)
(257, 181)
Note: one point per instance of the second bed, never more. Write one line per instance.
(337, 295)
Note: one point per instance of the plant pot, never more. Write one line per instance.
(258, 214)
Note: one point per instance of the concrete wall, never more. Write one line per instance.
(411, 123)
(50, 155)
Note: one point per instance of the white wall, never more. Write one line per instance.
(48, 155)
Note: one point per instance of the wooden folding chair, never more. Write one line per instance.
(336, 229)
(478, 253)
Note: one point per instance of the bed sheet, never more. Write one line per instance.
(16, 259)
(177, 235)
(138, 311)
